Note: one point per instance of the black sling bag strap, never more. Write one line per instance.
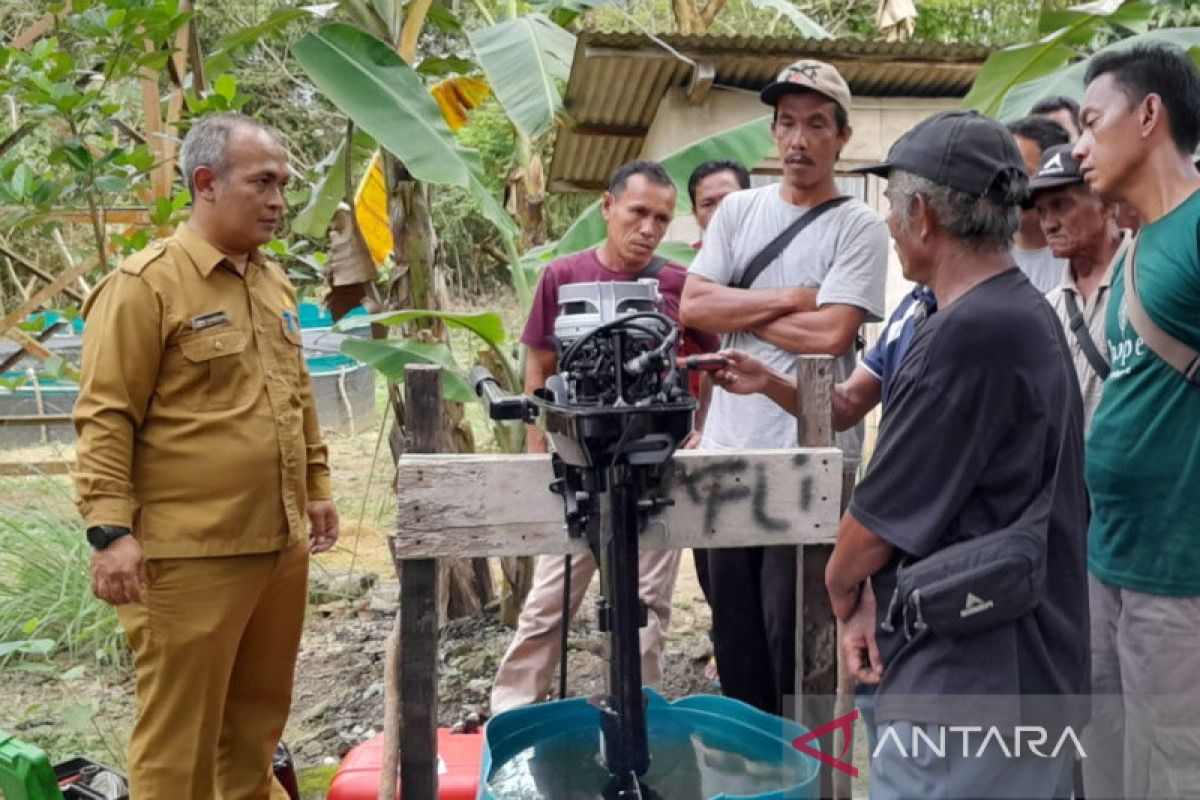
(777, 245)
(1084, 336)
(977, 584)
(652, 269)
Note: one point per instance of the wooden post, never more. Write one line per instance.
(418, 630)
(816, 628)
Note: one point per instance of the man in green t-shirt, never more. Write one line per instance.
(1141, 123)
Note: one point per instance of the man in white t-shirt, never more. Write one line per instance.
(1034, 136)
(812, 298)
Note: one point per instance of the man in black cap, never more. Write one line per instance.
(1081, 228)
(983, 431)
(811, 296)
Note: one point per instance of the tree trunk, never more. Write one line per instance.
(465, 585)
(526, 194)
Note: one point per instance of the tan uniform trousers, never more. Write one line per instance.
(215, 642)
(528, 667)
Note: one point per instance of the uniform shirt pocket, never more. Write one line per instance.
(291, 352)
(218, 378)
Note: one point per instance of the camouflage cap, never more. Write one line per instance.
(809, 75)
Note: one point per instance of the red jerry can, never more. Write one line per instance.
(459, 757)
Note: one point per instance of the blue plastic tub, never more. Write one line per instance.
(702, 748)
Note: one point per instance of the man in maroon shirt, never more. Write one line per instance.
(637, 208)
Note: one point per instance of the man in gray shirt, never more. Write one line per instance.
(1034, 136)
(812, 298)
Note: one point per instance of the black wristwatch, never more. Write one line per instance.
(101, 536)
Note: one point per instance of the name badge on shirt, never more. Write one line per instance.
(210, 320)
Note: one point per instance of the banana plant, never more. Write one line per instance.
(1015, 78)
(1069, 81)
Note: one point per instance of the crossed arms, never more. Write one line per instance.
(787, 318)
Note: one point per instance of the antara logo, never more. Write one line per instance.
(1026, 740)
(845, 723)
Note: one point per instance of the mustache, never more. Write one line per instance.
(805, 160)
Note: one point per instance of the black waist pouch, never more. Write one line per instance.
(972, 586)
(977, 584)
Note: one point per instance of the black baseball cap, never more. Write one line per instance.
(1058, 168)
(964, 150)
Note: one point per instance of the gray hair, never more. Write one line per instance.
(978, 221)
(206, 143)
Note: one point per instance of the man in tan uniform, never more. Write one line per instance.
(199, 460)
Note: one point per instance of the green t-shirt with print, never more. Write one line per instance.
(1143, 452)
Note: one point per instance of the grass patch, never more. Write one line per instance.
(314, 782)
(46, 602)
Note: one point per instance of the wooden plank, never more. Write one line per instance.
(45, 293)
(81, 216)
(31, 469)
(153, 115)
(500, 505)
(39, 350)
(45, 334)
(418, 607)
(34, 269)
(43, 419)
(842, 787)
(35, 31)
(816, 627)
(179, 61)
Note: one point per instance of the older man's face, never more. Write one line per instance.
(905, 239)
(247, 195)
(1073, 219)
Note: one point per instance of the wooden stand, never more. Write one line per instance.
(500, 505)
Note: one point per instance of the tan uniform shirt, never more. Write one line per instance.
(195, 414)
(1093, 312)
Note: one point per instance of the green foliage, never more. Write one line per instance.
(991, 24)
(46, 602)
(1012, 80)
(524, 59)
(314, 782)
(487, 325)
(1069, 81)
(803, 23)
(391, 356)
(330, 188)
(372, 85)
(91, 161)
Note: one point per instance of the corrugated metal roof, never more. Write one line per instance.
(618, 80)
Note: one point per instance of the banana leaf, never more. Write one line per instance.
(1044, 60)
(1069, 82)
(487, 325)
(524, 60)
(391, 356)
(369, 82)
